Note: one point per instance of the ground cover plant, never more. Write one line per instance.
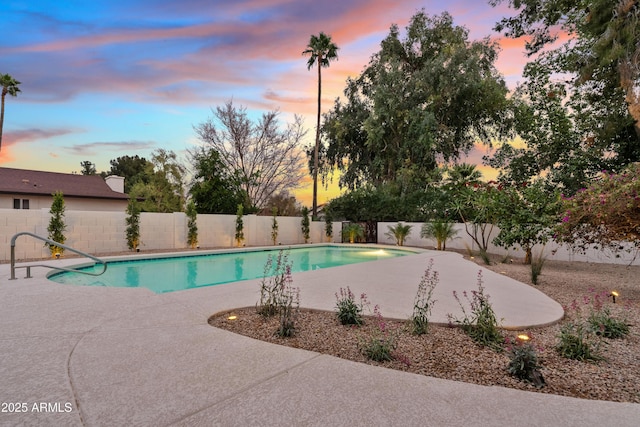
(449, 353)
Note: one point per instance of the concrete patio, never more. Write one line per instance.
(121, 357)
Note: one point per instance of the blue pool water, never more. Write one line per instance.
(168, 274)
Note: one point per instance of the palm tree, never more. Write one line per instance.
(399, 232)
(353, 231)
(322, 51)
(442, 230)
(463, 174)
(9, 86)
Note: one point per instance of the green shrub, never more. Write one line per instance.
(133, 224)
(304, 224)
(192, 225)
(239, 225)
(523, 363)
(603, 324)
(274, 226)
(328, 226)
(576, 342)
(57, 226)
(348, 311)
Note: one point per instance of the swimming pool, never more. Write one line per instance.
(174, 273)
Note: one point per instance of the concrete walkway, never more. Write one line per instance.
(124, 357)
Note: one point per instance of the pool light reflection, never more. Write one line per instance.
(375, 253)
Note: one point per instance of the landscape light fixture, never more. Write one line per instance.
(614, 294)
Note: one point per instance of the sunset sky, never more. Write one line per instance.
(104, 79)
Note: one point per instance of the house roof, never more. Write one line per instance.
(24, 181)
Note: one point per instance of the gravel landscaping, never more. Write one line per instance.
(447, 352)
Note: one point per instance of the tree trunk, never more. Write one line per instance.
(632, 94)
(4, 93)
(314, 209)
(527, 256)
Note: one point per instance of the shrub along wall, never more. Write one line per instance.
(104, 232)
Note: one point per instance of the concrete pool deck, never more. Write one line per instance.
(122, 357)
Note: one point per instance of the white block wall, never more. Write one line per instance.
(463, 241)
(105, 232)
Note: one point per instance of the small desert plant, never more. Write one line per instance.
(277, 273)
(304, 224)
(133, 224)
(57, 226)
(239, 225)
(274, 225)
(600, 320)
(485, 256)
(399, 232)
(442, 230)
(349, 311)
(537, 262)
(523, 362)
(288, 306)
(382, 343)
(506, 259)
(423, 301)
(577, 342)
(192, 225)
(481, 324)
(353, 231)
(603, 324)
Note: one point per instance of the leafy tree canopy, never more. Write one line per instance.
(604, 44)
(132, 168)
(161, 183)
(88, 168)
(569, 133)
(214, 188)
(423, 98)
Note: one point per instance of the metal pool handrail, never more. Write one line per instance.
(28, 267)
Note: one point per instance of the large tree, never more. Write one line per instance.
(88, 168)
(266, 158)
(603, 46)
(161, 187)
(214, 188)
(132, 168)
(568, 133)
(9, 87)
(423, 99)
(321, 51)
